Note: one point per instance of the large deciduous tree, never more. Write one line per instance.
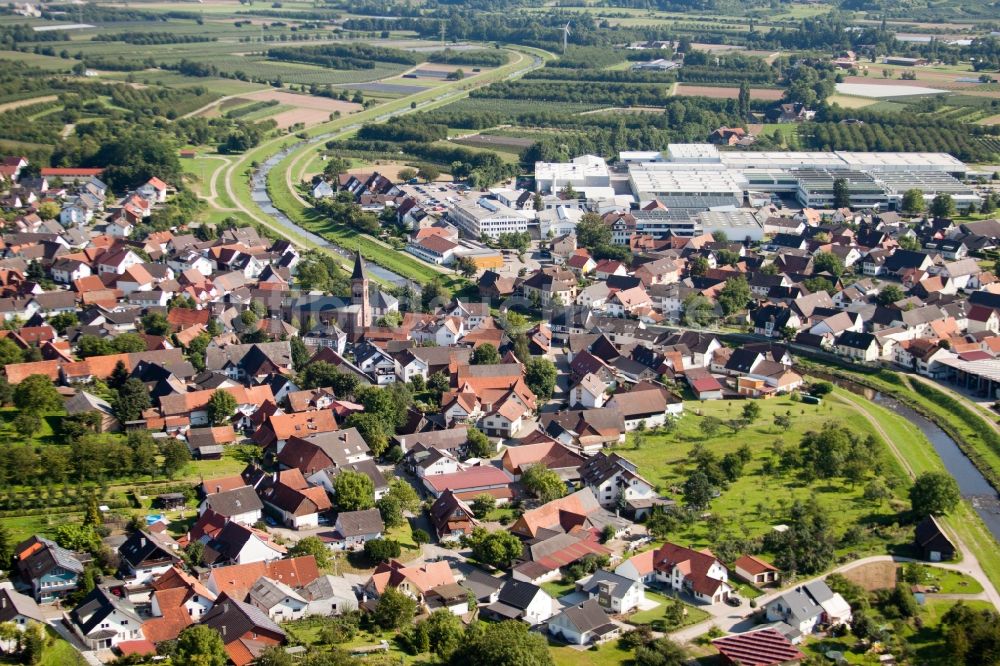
(353, 491)
(934, 493)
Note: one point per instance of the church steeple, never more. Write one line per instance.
(359, 268)
(359, 291)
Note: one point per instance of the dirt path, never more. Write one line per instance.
(208, 106)
(212, 181)
(10, 106)
(964, 399)
(969, 564)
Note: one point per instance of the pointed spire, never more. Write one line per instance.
(359, 268)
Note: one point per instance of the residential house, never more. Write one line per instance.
(549, 454)
(809, 607)
(237, 544)
(50, 570)
(699, 574)
(354, 529)
(413, 581)
(646, 403)
(589, 392)
(329, 595)
(290, 496)
(614, 592)
(859, 347)
(523, 601)
(145, 556)
(278, 600)
(240, 505)
(452, 517)
(245, 629)
(583, 624)
(615, 481)
(103, 619)
(18, 609)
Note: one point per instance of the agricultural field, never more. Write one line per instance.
(886, 90)
(724, 92)
(306, 110)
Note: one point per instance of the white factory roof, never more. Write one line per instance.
(581, 167)
(648, 179)
(901, 161)
(930, 182)
(640, 156)
(780, 159)
(487, 208)
(596, 192)
(701, 152)
(738, 220)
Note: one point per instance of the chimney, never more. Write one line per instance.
(218, 489)
(142, 542)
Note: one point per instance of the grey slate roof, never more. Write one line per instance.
(588, 616)
(360, 523)
(234, 502)
(619, 585)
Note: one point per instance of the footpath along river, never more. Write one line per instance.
(971, 482)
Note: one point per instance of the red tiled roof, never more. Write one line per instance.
(752, 565)
(71, 171)
(694, 563)
(474, 477)
(236, 580)
(765, 647)
(572, 553)
(128, 648)
(18, 372)
(166, 628)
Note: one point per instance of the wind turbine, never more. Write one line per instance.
(566, 34)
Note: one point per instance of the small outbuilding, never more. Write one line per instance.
(932, 541)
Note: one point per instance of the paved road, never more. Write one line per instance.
(737, 620)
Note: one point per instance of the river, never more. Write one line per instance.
(260, 196)
(973, 485)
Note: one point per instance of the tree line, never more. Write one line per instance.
(151, 38)
(344, 56)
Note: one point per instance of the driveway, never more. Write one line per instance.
(737, 620)
(90, 657)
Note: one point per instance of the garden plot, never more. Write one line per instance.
(726, 92)
(305, 109)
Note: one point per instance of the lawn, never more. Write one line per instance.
(926, 642)
(948, 581)
(557, 588)
(60, 653)
(692, 615)
(756, 502)
(608, 654)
